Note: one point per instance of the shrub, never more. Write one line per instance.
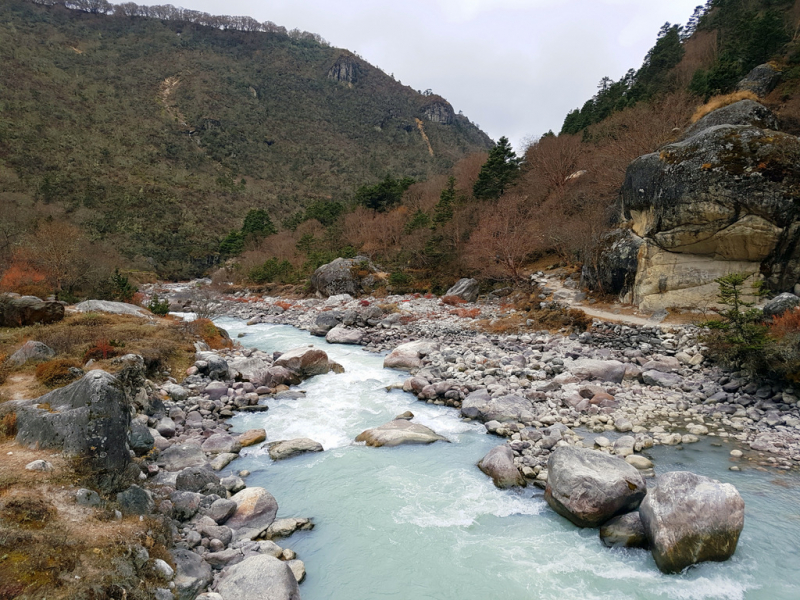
(8, 426)
(57, 372)
(786, 324)
(215, 337)
(101, 350)
(4, 368)
(400, 279)
(122, 290)
(467, 313)
(453, 300)
(157, 306)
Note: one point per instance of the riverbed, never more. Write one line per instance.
(422, 522)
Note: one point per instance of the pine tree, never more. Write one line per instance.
(498, 172)
(443, 211)
(257, 223)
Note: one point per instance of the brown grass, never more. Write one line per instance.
(8, 426)
(209, 333)
(55, 373)
(718, 102)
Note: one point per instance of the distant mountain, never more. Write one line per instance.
(159, 134)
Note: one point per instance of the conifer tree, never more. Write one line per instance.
(498, 172)
(443, 211)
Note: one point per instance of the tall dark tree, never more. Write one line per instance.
(384, 195)
(258, 224)
(498, 172)
(443, 211)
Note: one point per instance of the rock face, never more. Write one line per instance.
(499, 465)
(408, 357)
(260, 577)
(288, 448)
(439, 111)
(31, 351)
(345, 276)
(28, 310)
(397, 432)
(345, 69)
(590, 487)
(689, 519)
(722, 200)
(466, 289)
(88, 418)
(115, 308)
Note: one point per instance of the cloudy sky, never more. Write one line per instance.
(514, 67)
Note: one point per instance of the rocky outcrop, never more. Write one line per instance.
(345, 69)
(761, 80)
(21, 311)
(689, 519)
(590, 487)
(114, 308)
(722, 200)
(352, 276)
(466, 289)
(398, 432)
(439, 111)
(499, 465)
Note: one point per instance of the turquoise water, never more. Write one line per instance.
(424, 523)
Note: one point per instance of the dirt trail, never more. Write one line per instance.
(21, 387)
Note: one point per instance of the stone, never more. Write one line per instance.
(114, 308)
(185, 504)
(499, 465)
(166, 427)
(408, 357)
(39, 465)
(232, 483)
(162, 570)
(31, 351)
(639, 462)
(779, 304)
(255, 511)
(86, 497)
(351, 276)
(220, 461)
(252, 369)
(509, 408)
(194, 479)
(761, 80)
(661, 379)
(136, 501)
(298, 569)
(624, 531)
(665, 364)
(259, 577)
(398, 432)
(251, 437)
(344, 335)
(325, 322)
(219, 443)
(689, 519)
(304, 362)
(590, 369)
(192, 574)
(140, 440)
(288, 448)
(28, 310)
(589, 487)
(282, 528)
(179, 457)
(216, 390)
(178, 393)
(221, 510)
(213, 365)
(88, 418)
(466, 289)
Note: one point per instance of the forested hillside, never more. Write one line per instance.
(153, 136)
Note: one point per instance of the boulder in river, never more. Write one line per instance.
(408, 357)
(499, 465)
(259, 577)
(397, 432)
(288, 448)
(689, 519)
(589, 487)
(255, 511)
(624, 531)
(305, 361)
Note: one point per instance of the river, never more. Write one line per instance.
(422, 522)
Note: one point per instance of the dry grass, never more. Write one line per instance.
(209, 333)
(718, 102)
(55, 373)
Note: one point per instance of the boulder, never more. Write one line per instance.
(40, 465)
(325, 322)
(400, 431)
(589, 487)
(777, 306)
(408, 357)
(761, 80)
(89, 418)
(744, 112)
(259, 577)
(216, 390)
(185, 504)
(194, 479)
(661, 379)
(140, 439)
(255, 511)
(255, 370)
(221, 510)
(624, 531)
(282, 528)
(179, 457)
(499, 465)
(344, 335)
(31, 351)
(114, 308)
(590, 369)
(305, 362)
(28, 310)
(689, 519)
(251, 437)
(192, 574)
(135, 501)
(466, 289)
(345, 276)
(288, 448)
(509, 408)
(221, 443)
(213, 365)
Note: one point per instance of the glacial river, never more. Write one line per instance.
(422, 522)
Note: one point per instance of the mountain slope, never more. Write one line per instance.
(158, 136)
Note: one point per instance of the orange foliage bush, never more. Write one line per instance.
(24, 279)
(101, 350)
(453, 300)
(467, 313)
(210, 334)
(786, 324)
(8, 426)
(283, 304)
(56, 372)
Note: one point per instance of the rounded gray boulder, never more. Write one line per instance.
(499, 465)
(260, 577)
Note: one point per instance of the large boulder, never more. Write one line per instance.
(31, 351)
(775, 307)
(590, 369)
(253, 369)
(345, 276)
(289, 448)
(305, 362)
(589, 487)
(466, 289)
(398, 432)
(114, 308)
(408, 357)
(509, 408)
(192, 574)
(761, 80)
(194, 479)
(28, 310)
(255, 511)
(344, 335)
(499, 465)
(624, 531)
(689, 519)
(89, 418)
(259, 577)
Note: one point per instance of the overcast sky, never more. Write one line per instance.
(514, 67)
